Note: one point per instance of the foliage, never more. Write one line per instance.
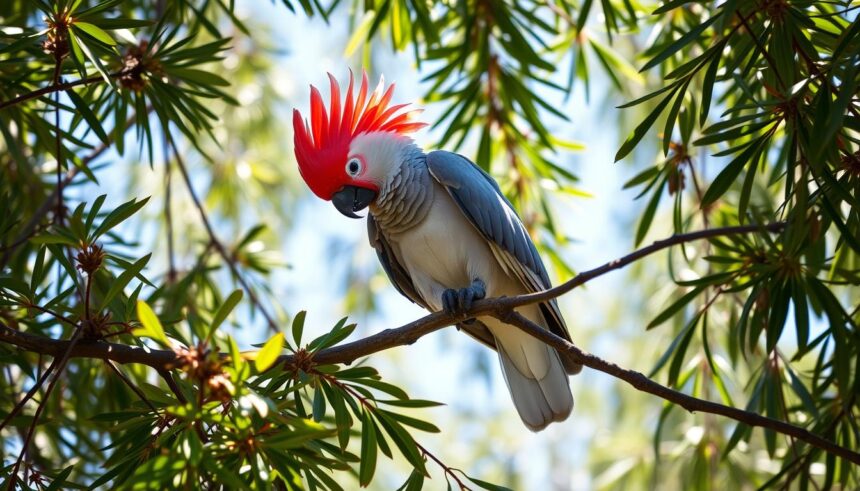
(753, 107)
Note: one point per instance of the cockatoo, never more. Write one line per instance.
(442, 229)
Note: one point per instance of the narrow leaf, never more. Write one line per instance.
(268, 354)
(224, 310)
(152, 327)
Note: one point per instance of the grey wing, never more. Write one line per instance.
(482, 202)
(401, 280)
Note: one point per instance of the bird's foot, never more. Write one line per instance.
(460, 300)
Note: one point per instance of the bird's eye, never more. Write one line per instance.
(353, 167)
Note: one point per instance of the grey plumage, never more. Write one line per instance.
(425, 247)
(481, 200)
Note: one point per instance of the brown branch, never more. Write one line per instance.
(168, 378)
(641, 382)
(56, 87)
(502, 308)
(389, 338)
(585, 276)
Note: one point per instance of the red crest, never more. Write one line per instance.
(321, 147)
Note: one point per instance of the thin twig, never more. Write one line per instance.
(13, 476)
(445, 468)
(222, 251)
(56, 87)
(58, 217)
(131, 385)
(50, 312)
(168, 215)
(168, 379)
(30, 393)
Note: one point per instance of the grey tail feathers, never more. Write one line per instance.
(539, 402)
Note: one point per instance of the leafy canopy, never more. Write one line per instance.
(750, 106)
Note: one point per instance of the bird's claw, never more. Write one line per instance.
(460, 300)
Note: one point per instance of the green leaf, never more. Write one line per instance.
(681, 351)
(95, 32)
(367, 464)
(94, 211)
(650, 210)
(87, 113)
(336, 335)
(670, 5)
(53, 239)
(412, 422)
(124, 278)
(413, 403)
(151, 325)
(644, 176)
(414, 483)
(117, 216)
(801, 315)
(298, 327)
(319, 405)
(404, 442)
(389, 389)
(680, 43)
(224, 310)
(708, 88)
(199, 76)
(60, 479)
(235, 356)
(359, 33)
(727, 176)
(488, 485)
(675, 307)
(268, 354)
(779, 302)
(643, 128)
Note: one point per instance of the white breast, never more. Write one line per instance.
(446, 251)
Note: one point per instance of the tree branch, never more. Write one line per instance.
(501, 308)
(690, 403)
(389, 338)
(55, 87)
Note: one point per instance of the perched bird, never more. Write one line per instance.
(444, 232)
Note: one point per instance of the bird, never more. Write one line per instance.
(443, 231)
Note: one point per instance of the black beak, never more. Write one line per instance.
(351, 199)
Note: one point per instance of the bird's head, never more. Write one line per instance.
(346, 152)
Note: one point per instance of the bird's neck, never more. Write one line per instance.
(405, 196)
